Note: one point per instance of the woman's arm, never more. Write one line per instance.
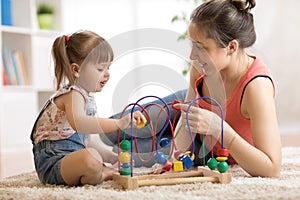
(264, 158)
(74, 107)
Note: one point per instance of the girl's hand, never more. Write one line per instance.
(201, 120)
(139, 120)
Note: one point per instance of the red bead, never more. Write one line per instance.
(175, 102)
(223, 152)
(168, 165)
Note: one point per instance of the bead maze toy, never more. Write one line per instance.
(181, 169)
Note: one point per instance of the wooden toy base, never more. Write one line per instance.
(200, 174)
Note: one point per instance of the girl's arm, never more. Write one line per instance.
(107, 155)
(73, 103)
(264, 158)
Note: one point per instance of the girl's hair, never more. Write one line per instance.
(226, 20)
(84, 47)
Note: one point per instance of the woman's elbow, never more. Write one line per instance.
(271, 172)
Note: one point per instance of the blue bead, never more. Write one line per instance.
(187, 162)
(164, 142)
(160, 158)
(125, 165)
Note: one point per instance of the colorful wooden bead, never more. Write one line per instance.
(125, 145)
(212, 163)
(222, 166)
(125, 171)
(168, 165)
(160, 158)
(177, 166)
(164, 142)
(188, 153)
(221, 158)
(175, 102)
(223, 152)
(187, 162)
(142, 124)
(125, 165)
(124, 157)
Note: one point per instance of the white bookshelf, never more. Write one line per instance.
(19, 104)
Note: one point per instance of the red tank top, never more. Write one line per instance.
(232, 107)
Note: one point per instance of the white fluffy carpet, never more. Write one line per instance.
(27, 186)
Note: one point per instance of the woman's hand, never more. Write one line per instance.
(200, 120)
(139, 120)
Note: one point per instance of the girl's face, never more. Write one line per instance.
(93, 77)
(206, 55)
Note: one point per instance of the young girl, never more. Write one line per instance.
(220, 30)
(63, 152)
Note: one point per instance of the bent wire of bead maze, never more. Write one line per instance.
(181, 170)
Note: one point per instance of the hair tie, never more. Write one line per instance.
(67, 38)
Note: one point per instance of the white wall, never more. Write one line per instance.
(277, 24)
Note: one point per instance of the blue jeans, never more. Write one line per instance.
(49, 153)
(143, 137)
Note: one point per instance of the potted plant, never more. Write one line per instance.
(184, 18)
(45, 16)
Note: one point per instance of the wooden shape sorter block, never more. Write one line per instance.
(200, 174)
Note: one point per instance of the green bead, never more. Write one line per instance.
(125, 171)
(125, 145)
(222, 166)
(212, 163)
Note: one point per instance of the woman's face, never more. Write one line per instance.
(93, 77)
(205, 54)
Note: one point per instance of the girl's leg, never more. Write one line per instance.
(84, 167)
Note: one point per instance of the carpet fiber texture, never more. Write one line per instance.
(27, 186)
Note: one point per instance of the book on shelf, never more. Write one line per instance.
(6, 12)
(14, 67)
(5, 81)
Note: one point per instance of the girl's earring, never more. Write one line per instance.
(76, 75)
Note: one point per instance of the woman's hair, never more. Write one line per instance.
(226, 20)
(81, 48)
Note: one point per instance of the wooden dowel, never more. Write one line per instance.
(172, 181)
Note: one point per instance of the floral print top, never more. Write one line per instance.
(52, 123)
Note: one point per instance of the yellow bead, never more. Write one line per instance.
(188, 153)
(177, 166)
(220, 159)
(142, 124)
(124, 157)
